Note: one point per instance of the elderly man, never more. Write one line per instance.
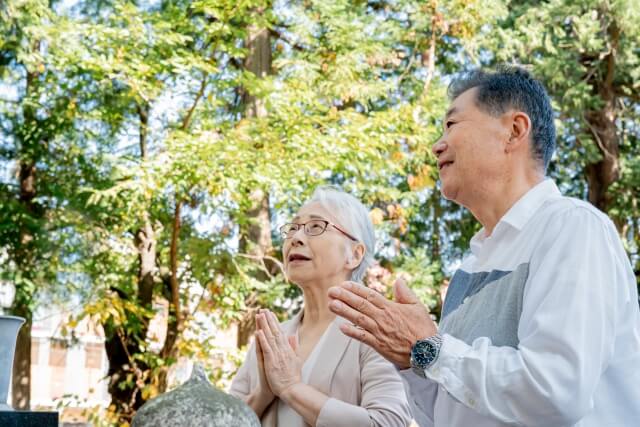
(541, 325)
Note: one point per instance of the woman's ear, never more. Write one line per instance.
(355, 255)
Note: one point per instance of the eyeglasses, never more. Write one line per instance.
(315, 227)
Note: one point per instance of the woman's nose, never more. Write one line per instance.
(439, 146)
(296, 239)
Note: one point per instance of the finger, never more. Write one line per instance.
(261, 321)
(272, 320)
(359, 334)
(258, 347)
(402, 293)
(293, 342)
(354, 316)
(257, 319)
(259, 355)
(360, 304)
(362, 291)
(266, 329)
(266, 349)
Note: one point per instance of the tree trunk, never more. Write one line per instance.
(174, 324)
(120, 346)
(256, 237)
(25, 260)
(21, 380)
(601, 123)
(25, 250)
(258, 62)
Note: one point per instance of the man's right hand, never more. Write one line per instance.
(389, 327)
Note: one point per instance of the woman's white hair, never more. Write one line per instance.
(354, 217)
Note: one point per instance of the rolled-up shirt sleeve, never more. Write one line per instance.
(577, 279)
(383, 404)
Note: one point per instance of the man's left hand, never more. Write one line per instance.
(389, 327)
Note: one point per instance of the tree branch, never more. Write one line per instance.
(143, 114)
(431, 57)
(614, 33)
(280, 35)
(187, 119)
(263, 266)
(175, 291)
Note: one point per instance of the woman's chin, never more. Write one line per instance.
(299, 277)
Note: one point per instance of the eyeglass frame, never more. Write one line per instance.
(304, 228)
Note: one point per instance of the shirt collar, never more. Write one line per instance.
(521, 211)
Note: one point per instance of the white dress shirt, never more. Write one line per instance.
(541, 325)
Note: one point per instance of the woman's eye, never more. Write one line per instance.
(449, 124)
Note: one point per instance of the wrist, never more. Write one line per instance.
(259, 399)
(424, 353)
(290, 391)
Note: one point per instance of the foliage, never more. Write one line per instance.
(134, 115)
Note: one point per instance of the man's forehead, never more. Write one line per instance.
(459, 104)
(451, 111)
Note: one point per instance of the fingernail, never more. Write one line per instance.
(336, 304)
(346, 285)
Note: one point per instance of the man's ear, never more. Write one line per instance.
(519, 125)
(355, 255)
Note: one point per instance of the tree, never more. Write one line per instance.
(169, 139)
(39, 140)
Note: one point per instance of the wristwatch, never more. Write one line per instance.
(424, 353)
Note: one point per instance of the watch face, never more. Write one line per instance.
(424, 353)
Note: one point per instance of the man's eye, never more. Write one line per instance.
(449, 124)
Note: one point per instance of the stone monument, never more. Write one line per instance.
(195, 403)
(9, 327)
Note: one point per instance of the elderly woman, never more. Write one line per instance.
(305, 371)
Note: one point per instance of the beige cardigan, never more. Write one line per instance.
(363, 388)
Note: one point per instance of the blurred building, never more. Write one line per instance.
(67, 373)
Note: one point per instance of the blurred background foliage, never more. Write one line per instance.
(150, 149)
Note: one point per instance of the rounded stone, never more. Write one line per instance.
(195, 403)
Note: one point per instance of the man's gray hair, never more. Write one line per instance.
(354, 217)
(513, 87)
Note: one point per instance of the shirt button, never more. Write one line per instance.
(464, 301)
(471, 402)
